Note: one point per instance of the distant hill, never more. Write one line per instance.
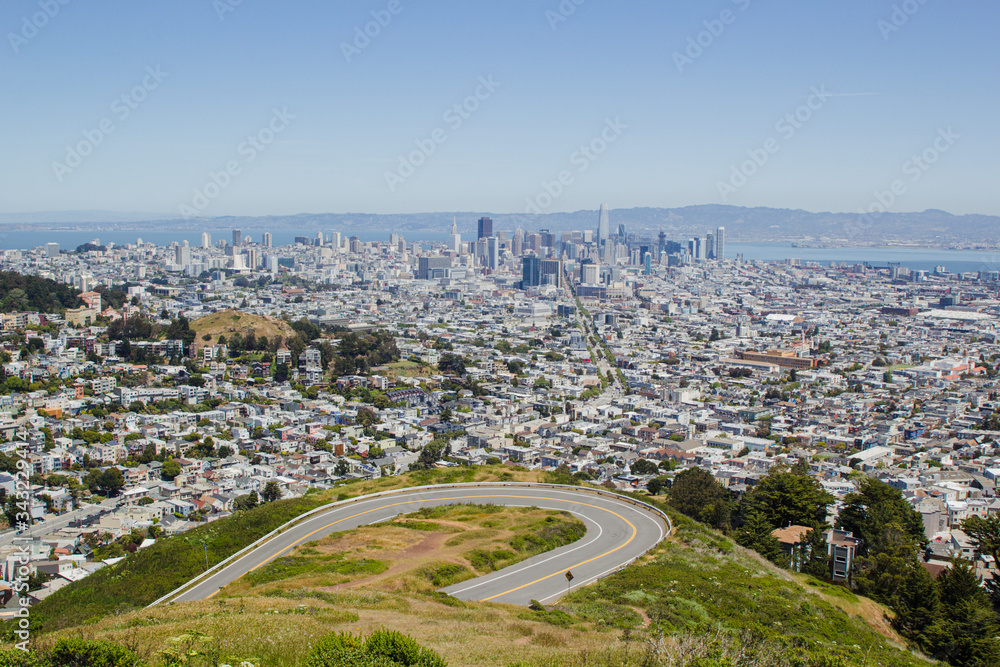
(227, 322)
(20, 293)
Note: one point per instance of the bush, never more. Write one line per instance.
(90, 653)
(383, 648)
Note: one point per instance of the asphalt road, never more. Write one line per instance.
(617, 533)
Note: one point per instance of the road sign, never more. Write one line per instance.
(569, 576)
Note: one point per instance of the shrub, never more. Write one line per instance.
(382, 648)
(75, 652)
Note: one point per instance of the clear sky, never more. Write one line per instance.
(331, 113)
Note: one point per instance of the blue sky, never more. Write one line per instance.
(673, 134)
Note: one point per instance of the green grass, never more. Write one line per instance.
(700, 583)
(155, 571)
(291, 566)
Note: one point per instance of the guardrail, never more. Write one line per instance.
(410, 489)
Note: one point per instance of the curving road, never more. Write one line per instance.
(618, 531)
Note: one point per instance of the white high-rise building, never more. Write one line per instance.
(206, 240)
(720, 243)
(51, 249)
(335, 242)
(267, 239)
(455, 240)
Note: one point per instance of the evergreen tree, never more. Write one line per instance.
(755, 534)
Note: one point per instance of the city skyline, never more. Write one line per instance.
(847, 105)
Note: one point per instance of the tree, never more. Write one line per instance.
(657, 484)
(111, 482)
(966, 633)
(755, 534)
(868, 512)
(986, 534)
(342, 468)
(786, 497)
(225, 451)
(366, 417)
(452, 363)
(171, 468)
(247, 502)
(643, 467)
(696, 494)
(272, 491)
(814, 557)
(446, 415)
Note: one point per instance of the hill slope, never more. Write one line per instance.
(227, 322)
(697, 595)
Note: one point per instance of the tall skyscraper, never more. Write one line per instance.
(710, 245)
(661, 246)
(531, 271)
(455, 240)
(206, 240)
(237, 237)
(51, 249)
(603, 226)
(335, 241)
(485, 228)
(267, 239)
(720, 243)
(493, 253)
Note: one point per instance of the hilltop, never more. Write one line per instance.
(227, 322)
(698, 594)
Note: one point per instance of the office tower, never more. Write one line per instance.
(589, 274)
(182, 254)
(517, 245)
(647, 261)
(51, 249)
(455, 240)
(621, 233)
(531, 271)
(237, 237)
(551, 272)
(253, 257)
(710, 246)
(272, 263)
(699, 248)
(720, 243)
(429, 268)
(355, 244)
(401, 246)
(267, 239)
(335, 241)
(603, 227)
(493, 253)
(485, 228)
(661, 243)
(206, 240)
(319, 238)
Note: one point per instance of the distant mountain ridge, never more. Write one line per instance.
(743, 223)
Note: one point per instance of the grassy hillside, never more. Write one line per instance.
(151, 573)
(696, 600)
(227, 322)
(19, 292)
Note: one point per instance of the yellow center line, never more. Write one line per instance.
(408, 502)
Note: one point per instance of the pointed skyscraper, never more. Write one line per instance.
(603, 229)
(455, 242)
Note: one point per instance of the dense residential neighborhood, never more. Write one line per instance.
(187, 383)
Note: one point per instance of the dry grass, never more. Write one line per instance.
(228, 322)
(417, 553)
